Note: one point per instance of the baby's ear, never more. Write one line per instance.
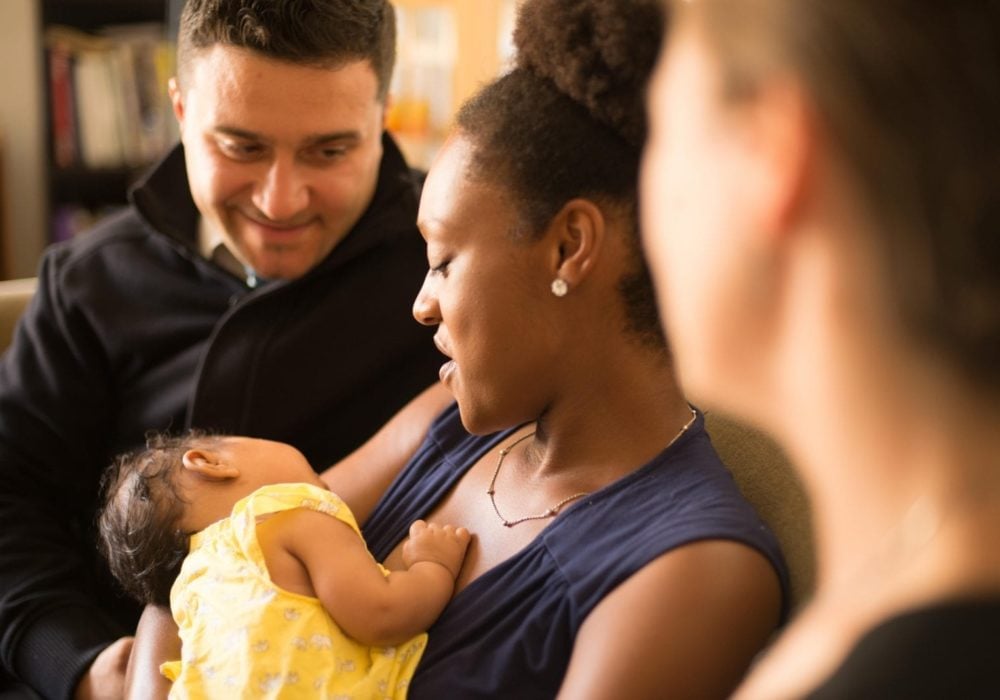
(208, 464)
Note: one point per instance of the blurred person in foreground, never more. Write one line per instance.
(822, 217)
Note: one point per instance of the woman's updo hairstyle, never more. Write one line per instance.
(569, 121)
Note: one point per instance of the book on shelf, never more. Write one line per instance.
(63, 116)
(108, 96)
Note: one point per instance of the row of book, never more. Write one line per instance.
(108, 99)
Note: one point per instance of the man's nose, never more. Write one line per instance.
(284, 190)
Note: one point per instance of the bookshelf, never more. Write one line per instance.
(107, 113)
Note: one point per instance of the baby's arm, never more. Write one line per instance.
(373, 609)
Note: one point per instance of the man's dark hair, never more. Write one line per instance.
(321, 33)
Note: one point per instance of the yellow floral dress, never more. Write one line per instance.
(244, 637)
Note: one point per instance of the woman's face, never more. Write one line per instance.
(488, 293)
(692, 196)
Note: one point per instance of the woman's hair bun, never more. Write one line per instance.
(600, 53)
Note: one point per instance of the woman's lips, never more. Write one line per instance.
(441, 347)
(446, 371)
(448, 367)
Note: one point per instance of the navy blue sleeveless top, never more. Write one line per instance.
(510, 633)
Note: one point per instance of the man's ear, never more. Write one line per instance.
(176, 99)
(208, 465)
(579, 230)
(387, 105)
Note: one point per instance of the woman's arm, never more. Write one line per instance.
(687, 625)
(363, 476)
(156, 641)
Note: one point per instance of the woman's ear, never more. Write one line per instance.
(208, 464)
(579, 230)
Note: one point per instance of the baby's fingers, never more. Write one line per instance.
(417, 527)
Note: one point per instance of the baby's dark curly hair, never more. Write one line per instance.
(138, 523)
(569, 121)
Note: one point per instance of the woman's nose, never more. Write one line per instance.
(425, 306)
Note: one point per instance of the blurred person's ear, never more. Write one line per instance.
(778, 134)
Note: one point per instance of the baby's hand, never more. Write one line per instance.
(444, 544)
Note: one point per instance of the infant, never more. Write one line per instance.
(271, 585)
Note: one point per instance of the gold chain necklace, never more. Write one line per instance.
(541, 516)
(554, 510)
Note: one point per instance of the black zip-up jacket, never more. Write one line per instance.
(132, 329)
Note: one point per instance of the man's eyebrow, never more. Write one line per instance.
(347, 135)
(238, 133)
(314, 140)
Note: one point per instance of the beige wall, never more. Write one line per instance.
(22, 128)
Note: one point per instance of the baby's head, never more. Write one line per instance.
(139, 524)
(157, 497)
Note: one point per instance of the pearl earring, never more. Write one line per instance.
(559, 287)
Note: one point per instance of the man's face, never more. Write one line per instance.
(281, 158)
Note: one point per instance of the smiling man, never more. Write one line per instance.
(281, 191)
(260, 283)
